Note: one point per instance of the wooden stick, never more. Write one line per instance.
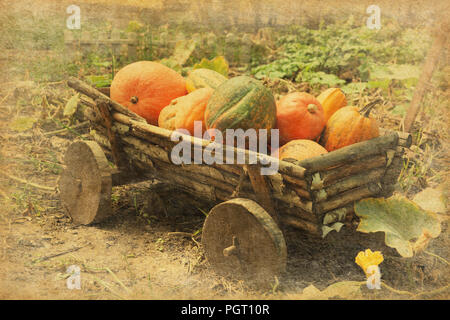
(342, 214)
(346, 197)
(355, 152)
(431, 60)
(163, 137)
(218, 181)
(35, 185)
(349, 183)
(156, 152)
(166, 171)
(297, 212)
(77, 126)
(330, 176)
(261, 189)
(297, 182)
(393, 171)
(404, 138)
(103, 109)
(301, 224)
(290, 197)
(300, 192)
(242, 178)
(58, 254)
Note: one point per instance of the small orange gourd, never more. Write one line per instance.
(349, 125)
(183, 111)
(332, 100)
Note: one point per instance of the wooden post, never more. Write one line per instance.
(132, 44)
(86, 41)
(115, 45)
(102, 41)
(262, 190)
(431, 60)
(69, 42)
(105, 112)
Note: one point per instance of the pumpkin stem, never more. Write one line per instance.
(365, 111)
(134, 100)
(312, 108)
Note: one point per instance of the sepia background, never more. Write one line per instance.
(290, 45)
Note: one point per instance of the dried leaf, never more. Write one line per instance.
(342, 289)
(327, 229)
(408, 228)
(430, 199)
(22, 124)
(71, 105)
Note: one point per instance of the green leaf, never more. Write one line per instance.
(104, 64)
(22, 124)
(407, 227)
(100, 81)
(400, 110)
(320, 78)
(382, 84)
(354, 87)
(168, 62)
(218, 64)
(134, 26)
(71, 105)
(394, 71)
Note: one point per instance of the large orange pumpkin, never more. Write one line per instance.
(299, 116)
(347, 126)
(183, 111)
(146, 87)
(299, 150)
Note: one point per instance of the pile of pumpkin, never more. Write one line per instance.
(308, 126)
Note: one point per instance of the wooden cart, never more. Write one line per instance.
(242, 233)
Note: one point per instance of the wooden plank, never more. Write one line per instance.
(347, 197)
(348, 183)
(347, 170)
(262, 190)
(303, 225)
(354, 152)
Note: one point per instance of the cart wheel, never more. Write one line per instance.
(85, 184)
(240, 238)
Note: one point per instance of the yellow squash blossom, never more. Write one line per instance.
(367, 258)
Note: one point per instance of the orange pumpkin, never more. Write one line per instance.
(183, 111)
(146, 87)
(299, 116)
(299, 150)
(347, 126)
(332, 100)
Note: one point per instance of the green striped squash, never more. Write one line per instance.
(241, 103)
(204, 78)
